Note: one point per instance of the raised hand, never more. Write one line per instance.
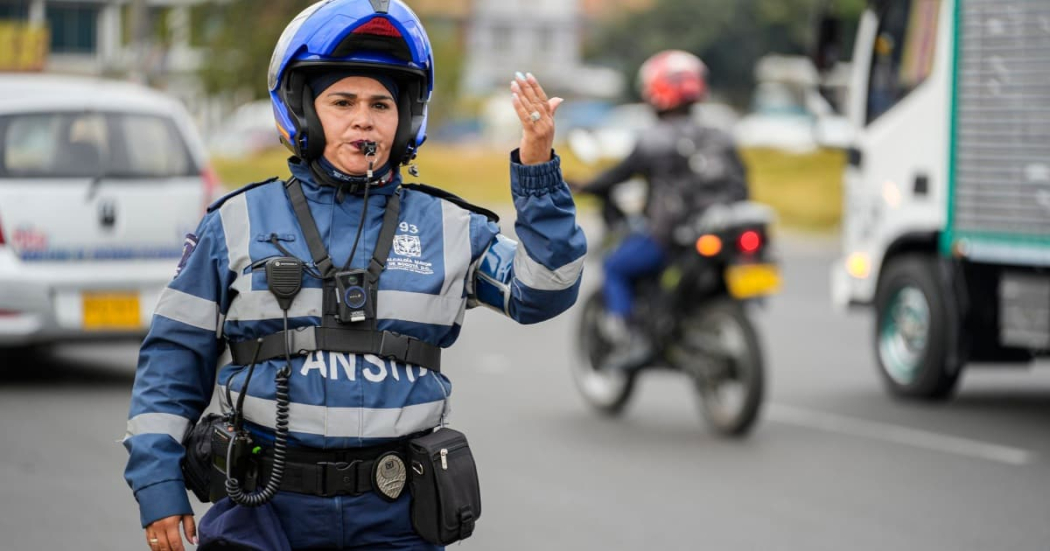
(537, 118)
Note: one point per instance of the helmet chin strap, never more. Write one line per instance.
(348, 183)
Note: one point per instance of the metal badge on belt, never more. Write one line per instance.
(389, 475)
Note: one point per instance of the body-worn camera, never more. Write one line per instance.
(353, 296)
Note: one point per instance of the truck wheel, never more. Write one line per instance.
(913, 330)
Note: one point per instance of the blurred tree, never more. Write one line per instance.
(240, 52)
(240, 36)
(729, 35)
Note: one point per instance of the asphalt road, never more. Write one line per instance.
(833, 463)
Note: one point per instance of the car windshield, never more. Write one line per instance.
(92, 144)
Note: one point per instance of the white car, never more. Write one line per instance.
(100, 182)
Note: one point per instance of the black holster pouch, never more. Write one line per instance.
(198, 471)
(446, 497)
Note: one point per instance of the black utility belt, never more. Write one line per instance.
(436, 467)
(341, 477)
(304, 340)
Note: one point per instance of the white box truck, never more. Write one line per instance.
(946, 221)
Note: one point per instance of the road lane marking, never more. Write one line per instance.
(907, 436)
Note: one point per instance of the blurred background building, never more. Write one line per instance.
(101, 37)
(146, 41)
(541, 36)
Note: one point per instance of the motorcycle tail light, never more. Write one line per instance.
(750, 241)
(708, 245)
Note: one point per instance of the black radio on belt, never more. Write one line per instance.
(353, 296)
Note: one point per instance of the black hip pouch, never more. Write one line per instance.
(204, 465)
(198, 471)
(446, 497)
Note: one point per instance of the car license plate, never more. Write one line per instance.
(752, 280)
(111, 310)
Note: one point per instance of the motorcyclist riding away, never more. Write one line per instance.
(688, 167)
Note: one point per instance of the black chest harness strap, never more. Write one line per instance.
(357, 338)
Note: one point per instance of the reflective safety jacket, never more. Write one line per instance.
(444, 260)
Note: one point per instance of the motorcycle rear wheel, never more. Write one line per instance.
(726, 365)
(606, 391)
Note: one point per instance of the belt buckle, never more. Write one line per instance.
(304, 340)
(398, 346)
(339, 478)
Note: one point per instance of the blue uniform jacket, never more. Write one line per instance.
(444, 260)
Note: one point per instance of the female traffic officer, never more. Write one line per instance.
(349, 81)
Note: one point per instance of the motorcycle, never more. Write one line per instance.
(694, 314)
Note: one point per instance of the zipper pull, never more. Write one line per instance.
(444, 459)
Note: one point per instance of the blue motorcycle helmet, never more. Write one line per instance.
(384, 36)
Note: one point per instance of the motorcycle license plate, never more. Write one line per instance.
(111, 310)
(752, 280)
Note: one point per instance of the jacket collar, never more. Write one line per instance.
(327, 194)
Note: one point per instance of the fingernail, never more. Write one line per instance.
(530, 76)
(196, 541)
(519, 75)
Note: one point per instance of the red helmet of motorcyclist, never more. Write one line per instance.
(672, 79)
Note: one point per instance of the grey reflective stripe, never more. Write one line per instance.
(338, 422)
(174, 426)
(418, 307)
(260, 305)
(234, 216)
(462, 312)
(455, 223)
(534, 275)
(472, 286)
(456, 233)
(189, 309)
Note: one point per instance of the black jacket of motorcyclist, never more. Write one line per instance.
(688, 168)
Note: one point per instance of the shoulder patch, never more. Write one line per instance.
(219, 202)
(452, 198)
